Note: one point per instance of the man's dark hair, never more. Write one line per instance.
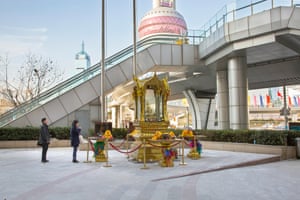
(75, 122)
(43, 120)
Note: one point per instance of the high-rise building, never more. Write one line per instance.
(163, 19)
(82, 59)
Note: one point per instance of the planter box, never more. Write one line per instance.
(283, 151)
(32, 144)
(53, 143)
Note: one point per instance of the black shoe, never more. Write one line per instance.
(45, 161)
(75, 161)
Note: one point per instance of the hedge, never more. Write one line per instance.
(32, 133)
(265, 137)
(119, 133)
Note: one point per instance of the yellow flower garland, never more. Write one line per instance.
(107, 134)
(134, 132)
(172, 134)
(157, 135)
(187, 133)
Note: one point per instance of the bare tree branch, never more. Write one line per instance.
(34, 76)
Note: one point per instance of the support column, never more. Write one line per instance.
(238, 93)
(115, 116)
(223, 100)
(202, 110)
(193, 108)
(118, 116)
(121, 117)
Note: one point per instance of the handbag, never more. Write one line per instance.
(39, 143)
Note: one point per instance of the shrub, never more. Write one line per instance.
(61, 133)
(265, 137)
(119, 133)
(32, 133)
(28, 133)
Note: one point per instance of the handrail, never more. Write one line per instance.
(79, 78)
(229, 13)
(250, 5)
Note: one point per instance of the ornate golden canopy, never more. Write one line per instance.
(151, 96)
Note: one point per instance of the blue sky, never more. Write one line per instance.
(55, 28)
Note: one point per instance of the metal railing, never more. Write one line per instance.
(240, 9)
(79, 78)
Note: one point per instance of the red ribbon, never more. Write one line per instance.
(119, 146)
(162, 147)
(92, 145)
(126, 152)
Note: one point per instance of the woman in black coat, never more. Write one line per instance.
(75, 132)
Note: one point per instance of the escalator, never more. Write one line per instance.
(84, 87)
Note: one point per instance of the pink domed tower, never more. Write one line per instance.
(163, 19)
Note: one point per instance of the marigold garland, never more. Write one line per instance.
(107, 135)
(187, 133)
(134, 132)
(172, 134)
(157, 135)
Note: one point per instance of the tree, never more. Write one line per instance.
(36, 75)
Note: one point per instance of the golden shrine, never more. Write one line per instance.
(150, 97)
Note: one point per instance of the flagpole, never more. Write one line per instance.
(134, 38)
(286, 119)
(102, 114)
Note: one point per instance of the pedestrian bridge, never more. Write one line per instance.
(255, 51)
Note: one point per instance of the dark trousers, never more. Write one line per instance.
(75, 152)
(44, 151)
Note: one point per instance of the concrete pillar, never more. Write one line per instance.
(223, 100)
(121, 116)
(238, 93)
(202, 110)
(118, 116)
(193, 108)
(115, 116)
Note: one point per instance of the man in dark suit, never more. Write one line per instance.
(44, 139)
(75, 132)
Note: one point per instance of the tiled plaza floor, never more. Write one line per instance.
(23, 177)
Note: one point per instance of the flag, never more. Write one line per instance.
(261, 101)
(255, 101)
(279, 94)
(268, 98)
(249, 100)
(273, 94)
(290, 101)
(296, 101)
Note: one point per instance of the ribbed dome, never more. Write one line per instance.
(162, 20)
